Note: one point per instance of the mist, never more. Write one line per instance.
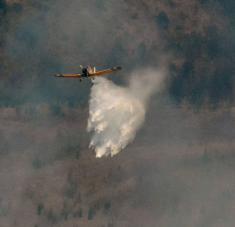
(116, 113)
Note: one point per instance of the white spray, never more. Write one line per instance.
(116, 113)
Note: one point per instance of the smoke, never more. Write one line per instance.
(116, 113)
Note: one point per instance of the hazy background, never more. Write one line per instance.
(179, 171)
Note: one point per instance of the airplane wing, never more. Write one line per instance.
(72, 75)
(105, 71)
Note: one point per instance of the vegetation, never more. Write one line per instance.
(40, 209)
(205, 76)
(91, 213)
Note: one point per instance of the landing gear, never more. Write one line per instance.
(80, 80)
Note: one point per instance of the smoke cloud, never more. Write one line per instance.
(116, 113)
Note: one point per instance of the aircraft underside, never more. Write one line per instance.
(89, 72)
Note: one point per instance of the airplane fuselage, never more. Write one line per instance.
(85, 72)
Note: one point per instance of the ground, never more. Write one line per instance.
(50, 178)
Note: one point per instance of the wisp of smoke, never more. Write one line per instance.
(116, 113)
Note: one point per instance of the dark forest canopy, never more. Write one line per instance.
(39, 39)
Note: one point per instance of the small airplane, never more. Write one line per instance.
(89, 72)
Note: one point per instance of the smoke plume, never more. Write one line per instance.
(116, 113)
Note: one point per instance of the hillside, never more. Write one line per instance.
(179, 170)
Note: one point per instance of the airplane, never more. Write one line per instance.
(89, 72)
